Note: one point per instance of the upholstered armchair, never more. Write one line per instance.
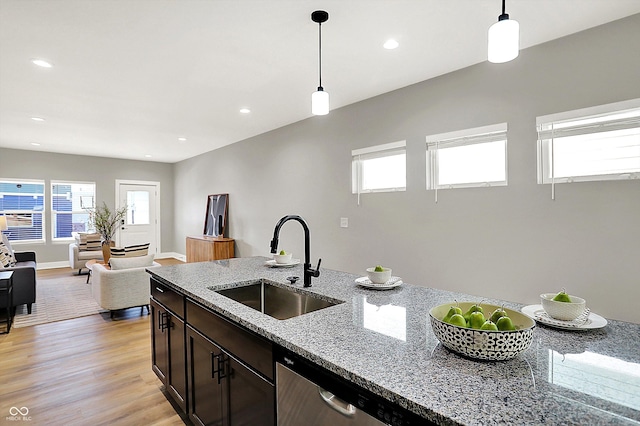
(78, 258)
(125, 285)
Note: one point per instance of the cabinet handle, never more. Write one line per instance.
(160, 290)
(162, 321)
(215, 370)
(223, 363)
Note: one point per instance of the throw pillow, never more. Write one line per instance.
(12, 256)
(5, 256)
(89, 242)
(131, 262)
(130, 251)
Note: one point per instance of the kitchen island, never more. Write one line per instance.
(382, 341)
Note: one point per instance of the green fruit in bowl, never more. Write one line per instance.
(458, 320)
(489, 326)
(378, 269)
(283, 253)
(505, 324)
(476, 320)
(497, 314)
(562, 297)
(472, 309)
(452, 311)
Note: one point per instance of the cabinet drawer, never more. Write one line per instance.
(168, 297)
(252, 349)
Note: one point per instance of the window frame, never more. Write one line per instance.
(372, 152)
(467, 137)
(546, 132)
(32, 212)
(55, 213)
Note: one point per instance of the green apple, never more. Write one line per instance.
(452, 311)
(378, 269)
(497, 314)
(505, 324)
(283, 253)
(562, 297)
(458, 320)
(476, 320)
(489, 326)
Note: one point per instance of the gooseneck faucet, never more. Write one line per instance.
(308, 271)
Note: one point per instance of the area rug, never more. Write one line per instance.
(58, 299)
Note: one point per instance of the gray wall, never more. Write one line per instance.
(23, 164)
(509, 242)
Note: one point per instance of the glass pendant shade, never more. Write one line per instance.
(320, 102)
(504, 41)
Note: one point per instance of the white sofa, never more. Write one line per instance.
(78, 259)
(125, 285)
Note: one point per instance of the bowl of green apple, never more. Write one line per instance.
(482, 331)
(562, 306)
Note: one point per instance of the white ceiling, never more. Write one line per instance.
(131, 77)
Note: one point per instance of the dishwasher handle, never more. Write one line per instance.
(336, 403)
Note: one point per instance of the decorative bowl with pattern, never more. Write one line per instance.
(483, 344)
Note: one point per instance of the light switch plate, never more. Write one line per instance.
(344, 222)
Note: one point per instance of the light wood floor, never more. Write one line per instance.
(84, 371)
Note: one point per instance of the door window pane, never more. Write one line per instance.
(137, 208)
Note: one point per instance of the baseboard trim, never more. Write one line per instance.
(66, 264)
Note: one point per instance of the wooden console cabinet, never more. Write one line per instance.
(203, 248)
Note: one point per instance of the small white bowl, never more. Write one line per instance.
(379, 277)
(282, 259)
(564, 311)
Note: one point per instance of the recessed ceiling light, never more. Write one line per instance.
(147, 155)
(245, 110)
(35, 144)
(37, 118)
(41, 63)
(390, 44)
(182, 139)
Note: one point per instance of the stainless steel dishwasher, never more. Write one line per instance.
(310, 396)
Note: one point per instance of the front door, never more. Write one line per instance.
(141, 224)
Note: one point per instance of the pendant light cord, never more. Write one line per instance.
(320, 52)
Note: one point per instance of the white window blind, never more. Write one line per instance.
(467, 158)
(380, 168)
(22, 202)
(599, 143)
(70, 206)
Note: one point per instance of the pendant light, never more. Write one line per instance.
(504, 39)
(320, 98)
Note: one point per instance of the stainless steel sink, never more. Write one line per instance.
(278, 302)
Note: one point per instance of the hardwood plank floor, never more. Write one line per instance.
(84, 371)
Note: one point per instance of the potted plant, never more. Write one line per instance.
(105, 221)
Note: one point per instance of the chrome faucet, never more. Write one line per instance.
(308, 271)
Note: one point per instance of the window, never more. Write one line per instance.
(22, 202)
(467, 158)
(599, 143)
(380, 168)
(70, 206)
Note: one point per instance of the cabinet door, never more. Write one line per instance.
(177, 374)
(207, 393)
(251, 398)
(159, 342)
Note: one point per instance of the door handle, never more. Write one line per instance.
(336, 403)
(162, 321)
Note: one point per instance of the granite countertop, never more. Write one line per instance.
(382, 340)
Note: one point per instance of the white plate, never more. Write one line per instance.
(366, 282)
(272, 263)
(592, 321)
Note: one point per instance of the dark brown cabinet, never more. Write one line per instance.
(168, 341)
(225, 385)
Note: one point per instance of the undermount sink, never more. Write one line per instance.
(278, 302)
